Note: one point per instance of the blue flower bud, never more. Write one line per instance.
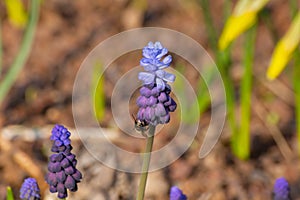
(30, 190)
(176, 194)
(281, 189)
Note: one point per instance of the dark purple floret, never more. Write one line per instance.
(30, 190)
(155, 103)
(155, 109)
(176, 194)
(281, 189)
(62, 172)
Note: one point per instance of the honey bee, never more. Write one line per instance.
(140, 125)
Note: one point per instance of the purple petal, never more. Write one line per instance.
(167, 89)
(142, 101)
(176, 194)
(145, 91)
(51, 179)
(62, 195)
(141, 114)
(169, 77)
(150, 45)
(149, 114)
(147, 78)
(165, 75)
(160, 73)
(160, 84)
(151, 101)
(158, 45)
(155, 92)
(65, 163)
(173, 106)
(71, 157)
(77, 176)
(162, 97)
(54, 167)
(61, 188)
(165, 119)
(169, 102)
(58, 143)
(52, 189)
(163, 52)
(69, 170)
(148, 64)
(167, 60)
(60, 176)
(160, 110)
(70, 182)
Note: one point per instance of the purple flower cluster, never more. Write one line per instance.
(154, 101)
(30, 190)
(62, 173)
(281, 189)
(176, 194)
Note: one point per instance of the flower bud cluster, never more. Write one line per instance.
(62, 172)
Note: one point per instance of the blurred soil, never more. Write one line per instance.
(42, 95)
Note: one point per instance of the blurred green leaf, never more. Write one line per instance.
(242, 146)
(16, 13)
(97, 92)
(24, 51)
(190, 111)
(203, 95)
(9, 194)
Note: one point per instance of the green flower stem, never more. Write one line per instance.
(293, 7)
(146, 163)
(297, 94)
(212, 35)
(296, 75)
(242, 145)
(0, 47)
(24, 51)
(223, 61)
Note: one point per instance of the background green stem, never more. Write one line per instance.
(23, 53)
(211, 31)
(242, 143)
(146, 163)
(0, 47)
(296, 76)
(297, 94)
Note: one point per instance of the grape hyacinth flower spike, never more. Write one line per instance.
(154, 101)
(176, 194)
(281, 190)
(62, 173)
(30, 190)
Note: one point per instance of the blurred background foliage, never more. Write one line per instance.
(240, 18)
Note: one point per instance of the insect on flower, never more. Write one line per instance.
(140, 125)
